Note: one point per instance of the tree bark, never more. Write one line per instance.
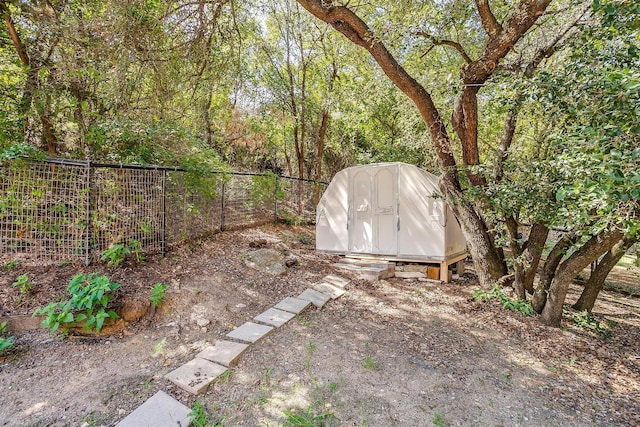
(533, 253)
(567, 271)
(596, 281)
(527, 258)
(550, 266)
(487, 261)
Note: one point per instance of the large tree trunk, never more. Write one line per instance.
(487, 261)
(526, 264)
(549, 270)
(568, 270)
(596, 281)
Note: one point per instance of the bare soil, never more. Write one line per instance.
(393, 352)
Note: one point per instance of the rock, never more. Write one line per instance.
(266, 260)
(134, 309)
(203, 322)
(291, 261)
(257, 244)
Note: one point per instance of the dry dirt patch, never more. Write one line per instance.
(395, 352)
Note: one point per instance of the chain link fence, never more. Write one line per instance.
(60, 210)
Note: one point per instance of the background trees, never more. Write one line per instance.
(528, 108)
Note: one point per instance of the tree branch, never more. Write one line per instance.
(489, 21)
(15, 38)
(355, 29)
(441, 42)
(524, 15)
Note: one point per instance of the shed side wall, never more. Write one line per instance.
(421, 216)
(332, 234)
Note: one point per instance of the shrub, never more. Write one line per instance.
(23, 282)
(90, 296)
(496, 292)
(115, 255)
(157, 293)
(6, 343)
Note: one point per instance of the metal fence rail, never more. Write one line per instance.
(59, 210)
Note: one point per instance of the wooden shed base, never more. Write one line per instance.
(443, 266)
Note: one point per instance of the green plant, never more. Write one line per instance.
(159, 347)
(587, 321)
(115, 255)
(11, 265)
(90, 296)
(6, 343)
(307, 419)
(198, 415)
(524, 307)
(24, 283)
(305, 240)
(370, 363)
(438, 420)
(225, 377)
(136, 249)
(265, 189)
(158, 293)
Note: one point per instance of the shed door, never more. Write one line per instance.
(360, 233)
(385, 211)
(374, 211)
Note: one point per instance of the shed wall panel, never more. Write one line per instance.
(332, 234)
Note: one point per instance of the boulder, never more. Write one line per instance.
(266, 260)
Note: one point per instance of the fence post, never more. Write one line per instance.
(87, 234)
(275, 201)
(222, 207)
(163, 244)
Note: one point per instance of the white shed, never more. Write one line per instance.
(390, 211)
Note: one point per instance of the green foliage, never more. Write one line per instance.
(6, 343)
(158, 293)
(305, 240)
(370, 363)
(205, 173)
(23, 282)
(18, 150)
(524, 307)
(136, 249)
(307, 419)
(199, 417)
(11, 265)
(158, 348)
(587, 321)
(90, 296)
(438, 420)
(265, 189)
(115, 255)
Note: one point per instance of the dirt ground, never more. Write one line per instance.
(390, 353)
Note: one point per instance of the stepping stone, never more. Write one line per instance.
(250, 332)
(160, 410)
(316, 298)
(274, 317)
(293, 305)
(338, 281)
(333, 291)
(226, 353)
(196, 375)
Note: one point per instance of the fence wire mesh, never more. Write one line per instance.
(52, 211)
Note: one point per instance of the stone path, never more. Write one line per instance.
(196, 375)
